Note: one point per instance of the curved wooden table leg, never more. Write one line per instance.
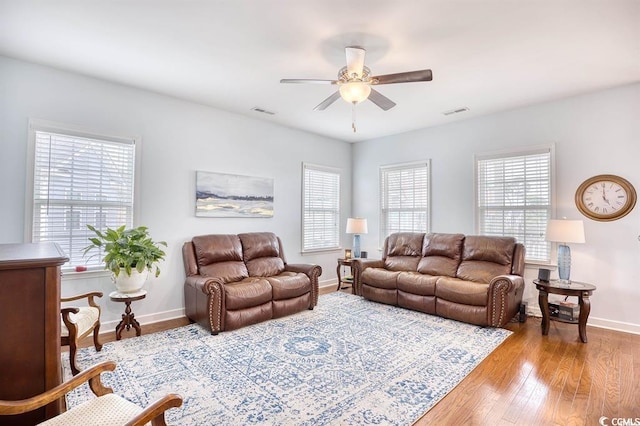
(585, 309)
(135, 324)
(543, 301)
(128, 318)
(119, 328)
(128, 321)
(339, 277)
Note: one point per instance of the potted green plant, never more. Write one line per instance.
(130, 254)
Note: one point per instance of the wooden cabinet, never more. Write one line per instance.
(30, 325)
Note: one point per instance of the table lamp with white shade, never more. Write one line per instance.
(356, 226)
(565, 231)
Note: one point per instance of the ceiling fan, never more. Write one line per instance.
(355, 80)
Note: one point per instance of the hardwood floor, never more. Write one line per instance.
(542, 380)
(533, 379)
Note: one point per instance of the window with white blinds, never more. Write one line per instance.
(404, 198)
(80, 180)
(514, 198)
(320, 208)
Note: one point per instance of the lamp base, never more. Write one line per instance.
(564, 263)
(356, 245)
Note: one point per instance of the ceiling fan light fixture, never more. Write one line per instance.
(354, 92)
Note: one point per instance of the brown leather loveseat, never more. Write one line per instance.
(474, 279)
(237, 280)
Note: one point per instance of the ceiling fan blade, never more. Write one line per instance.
(324, 104)
(381, 100)
(304, 80)
(355, 60)
(403, 77)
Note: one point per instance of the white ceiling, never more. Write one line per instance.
(231, 54)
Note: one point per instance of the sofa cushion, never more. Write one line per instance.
(382, 295)
(285, 307)
(380, 278)
(463, 292)
(259, 244)
(289, 284)
(426, 304)
(484, 258)
(416, 283)
(244, 317)
(466, 313)
(402, 251)
(404, 244)
(247, 293)
(217, 248)
(441, 254)
(265, 266)
(220, 256)
(261, 252)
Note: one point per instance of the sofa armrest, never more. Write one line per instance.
(204, 284)
(204, 301)
(306, 268)
(313, 272)
(505, 296)
(358, 266)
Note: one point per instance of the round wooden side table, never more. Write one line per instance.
(344, 262)
(128, 318)
(574, 288)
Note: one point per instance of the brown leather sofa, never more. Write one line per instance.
(237, 280)
(474, 279)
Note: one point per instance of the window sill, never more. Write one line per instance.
(321, 251)
(92, 273)
(537, 265)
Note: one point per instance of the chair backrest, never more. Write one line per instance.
(234, 257)
(476, 258)
(262, 254)
(441, 254)
(220, 256)
(484, 258)
(402, 251)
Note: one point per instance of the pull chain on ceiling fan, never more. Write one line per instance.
(355, 81)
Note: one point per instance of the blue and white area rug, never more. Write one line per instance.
(347, 362)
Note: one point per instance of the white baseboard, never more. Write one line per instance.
(110, 326)
(624, 327)
(328, 283)
(532, 310)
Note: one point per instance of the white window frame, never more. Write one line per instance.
(334, 232)
(36, 125)
(512, 153)
(385, 230)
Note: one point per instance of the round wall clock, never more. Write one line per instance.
(605, 197)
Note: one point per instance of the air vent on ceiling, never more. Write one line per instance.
(262, 110)
(456, 111)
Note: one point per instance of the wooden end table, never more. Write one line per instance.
(574, 288)
(344, 262)
(128, 318)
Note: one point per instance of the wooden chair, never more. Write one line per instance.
(77, 323)
(106, 409)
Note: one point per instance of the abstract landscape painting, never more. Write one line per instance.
(225, 195)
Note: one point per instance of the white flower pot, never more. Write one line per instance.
(130, 283)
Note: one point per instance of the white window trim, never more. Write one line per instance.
(400, 166)
(511, 152)
(328, 169)
(72, 130)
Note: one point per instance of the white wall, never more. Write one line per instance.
(593, 134)
(178, 138)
